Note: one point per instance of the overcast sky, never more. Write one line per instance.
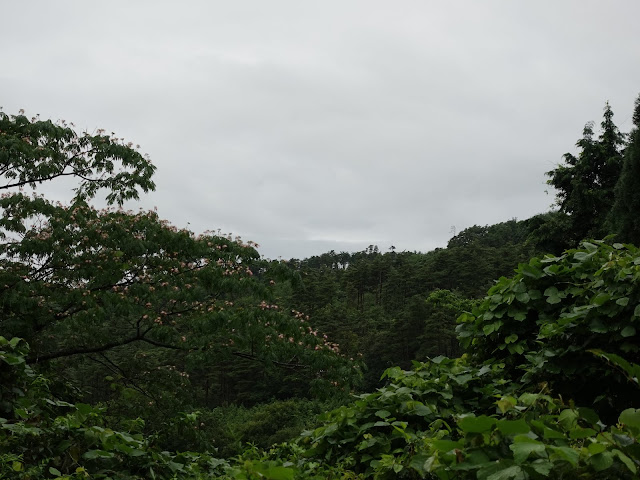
(310, 126)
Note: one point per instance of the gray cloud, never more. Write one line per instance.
(331, 125)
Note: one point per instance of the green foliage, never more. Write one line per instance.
(585, 184)
(166, 315)
(542, 323)
(42, 436)
(511, 232)
(562, 325)
(229, 429)
(146, 320)
(397, 418)
(443, 307)
(449, 420)
(373, 303)
(550, 232)
(624, 216)
(33, 151)
(146, 303)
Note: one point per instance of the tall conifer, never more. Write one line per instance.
(625, 215)
(586, 183)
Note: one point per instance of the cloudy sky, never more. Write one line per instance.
(308, 126)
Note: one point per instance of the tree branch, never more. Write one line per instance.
(84, 350)
(292, 366)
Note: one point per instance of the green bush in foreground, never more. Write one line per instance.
(448, 420)
(548, 388)
(556, 316)
(493, 414)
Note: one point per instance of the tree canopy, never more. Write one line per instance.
(170, 317)
(586, 183)
(33, 151)
(624, 215)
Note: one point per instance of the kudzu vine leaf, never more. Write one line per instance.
(524, 446)
(513, 427)
(601, 461)
(565, 453)
(628, 331)
(514, 472)
(626, 460)
(473, 424)
(631, 417)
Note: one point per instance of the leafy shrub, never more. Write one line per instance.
(548, 322)
(42, 436)
(448, 420)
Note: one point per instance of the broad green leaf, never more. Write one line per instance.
(568, 418)
(506, 403)
(513, 472)
(525, 446)
(601, 299)
(279, 473)
(421, 409)
(422, 463)
(463, 379)
(511, 338)
(623, 301)
(513, 427)
(580, 432)
(542, 466)
(473, 424)
(628, 331)
(589, 415)
(598, 326)
(601, 461)
(565, 453)
(393, 372)
(631, 417)
(551, 292)
(93, 454)
(626, 460)
(596, 447)
(446, 445)
(623, 440)
(530, 271)
(84, 409)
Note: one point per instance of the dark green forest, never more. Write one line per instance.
(132, 349)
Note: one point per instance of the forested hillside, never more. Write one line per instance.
(134, 349)
(395, 307)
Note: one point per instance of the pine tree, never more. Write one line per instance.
(586, 182)
(625, 216)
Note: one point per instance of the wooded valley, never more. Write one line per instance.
(130, 348)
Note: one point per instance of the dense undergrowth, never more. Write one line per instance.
(495, 413)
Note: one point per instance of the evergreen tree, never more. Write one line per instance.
(624, 217)
(586, 182)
